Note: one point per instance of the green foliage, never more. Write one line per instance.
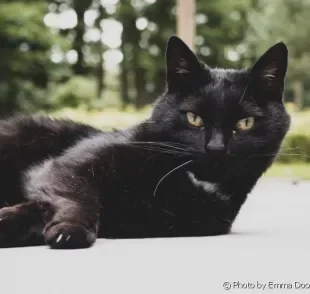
(25, 64)
(283, 20)
(223, 30)
(230, 33)
(290, 171)
(78, 91)
(296, 148)
(31, 98)
(288, 21)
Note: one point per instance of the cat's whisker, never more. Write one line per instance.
(168, 212)
(245, 90)
(292, 154)
(162, 144)
(163, 150)
(150, 147)
(169, 173)
(272, 154)
(226, 220)
(176, 155)
(293, 148)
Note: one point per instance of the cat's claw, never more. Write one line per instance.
(59, 238)
(68, 236)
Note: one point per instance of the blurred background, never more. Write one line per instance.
(102, 61)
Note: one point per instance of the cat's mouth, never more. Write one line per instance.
(215, 162)
(210, 169)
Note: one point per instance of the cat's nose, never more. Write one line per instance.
(216, 145)
(216, 150)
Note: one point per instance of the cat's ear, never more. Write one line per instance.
(270, 70)
(181, 62)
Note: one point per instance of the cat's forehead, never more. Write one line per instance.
(225, 85)
(219, 94)
(228, 77)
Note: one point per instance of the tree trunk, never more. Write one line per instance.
(100, 74)
(298, 89)
(124, 79)
(186, 23)
(127, 17)
(80, 8)
(79, 66)
(100, 71)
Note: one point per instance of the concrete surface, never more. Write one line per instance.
(270, 245)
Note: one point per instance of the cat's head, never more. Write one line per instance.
(221, 113)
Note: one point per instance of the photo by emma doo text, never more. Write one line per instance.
(268, 285)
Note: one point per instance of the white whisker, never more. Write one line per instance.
(246, 88)
(170, 172)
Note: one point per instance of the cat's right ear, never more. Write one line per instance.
(182, 63)
(270, 70)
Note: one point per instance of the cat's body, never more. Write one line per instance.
(70, 183)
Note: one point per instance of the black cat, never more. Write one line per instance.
(186, 171)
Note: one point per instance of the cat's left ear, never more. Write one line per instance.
(270, 69)
(182, 63)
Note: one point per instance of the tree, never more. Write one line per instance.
(80, 7)
(25, 65)
(133, 74)
(100, 49)
(288, 21)
(89, 61)
(28, 73)
(220, 30)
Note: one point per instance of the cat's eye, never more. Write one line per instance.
(245, 124)
(194, 119)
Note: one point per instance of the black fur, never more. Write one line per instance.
(70, 183)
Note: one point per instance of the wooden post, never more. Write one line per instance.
(186, 23)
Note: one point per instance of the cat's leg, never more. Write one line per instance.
(77, 184)
(22, 224)
(74, 223)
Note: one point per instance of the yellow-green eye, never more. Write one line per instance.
(194, 119)
(245, 124)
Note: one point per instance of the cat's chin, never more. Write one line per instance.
(209, 170)
(214, 164)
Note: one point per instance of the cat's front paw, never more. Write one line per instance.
(66, 235)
